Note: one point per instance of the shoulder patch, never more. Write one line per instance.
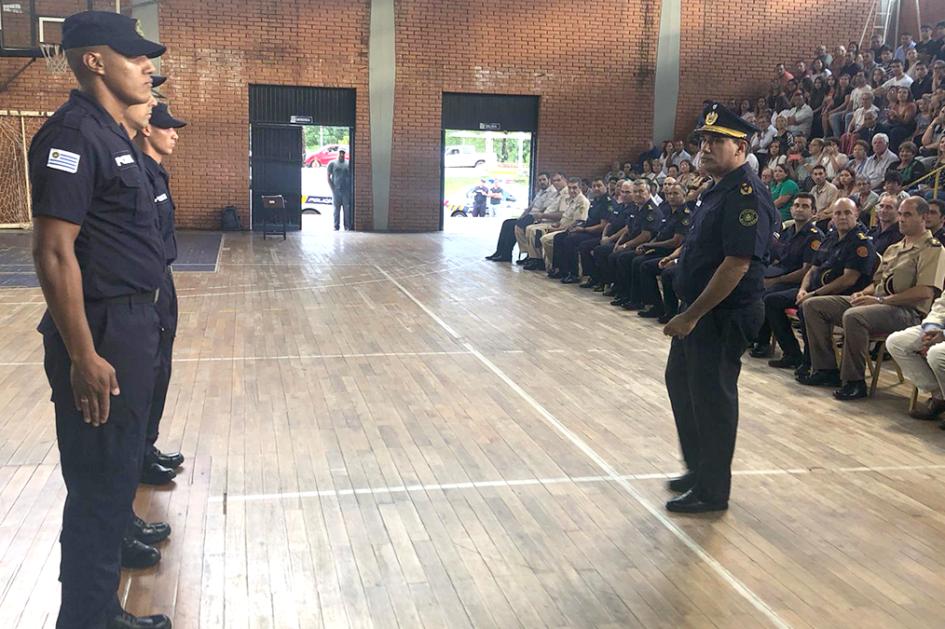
(685, 221)
(862, 236)
(862, 252)
(815, 245)
(745, 189)
(748, 217)
(65, 161)
(935, 242)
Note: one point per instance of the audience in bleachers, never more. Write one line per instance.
(852, 147)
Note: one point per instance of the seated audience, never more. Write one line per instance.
(892, 185)
(665, 306)
(783, 190)
(544, 197)
(641, 226)
(615, 226)
(858, 158)
(935, 219)
(900, 117)
(793, 253)
(909, 278)
(564, 263)
(824, 192)
(909, 168)
(799, 116)
(845, 182)
(880, 161)
(886, 230)
(932, 135)
(572, 208)
(865, 199)
(870, 129)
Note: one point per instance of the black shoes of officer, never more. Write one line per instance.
(497, 257)
(149, 532)
(689, 502)
(852, 390)
(786, 362)
(610, 292)
(682, 484)
(156, 474)
(631, 305)
(664, 319)
(555, 274)
(570, 278)
(602, 288)
(589, 284)
(124, 620)
(928, 411)
(651, 313)
(820, 378)
(618, 300)
(170, 460)
(534, 264)
(760, 350)
(136, 555)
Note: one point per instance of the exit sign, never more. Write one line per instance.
(490, 126)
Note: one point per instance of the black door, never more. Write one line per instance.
(276, 165)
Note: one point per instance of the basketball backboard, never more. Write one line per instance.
(27, 24)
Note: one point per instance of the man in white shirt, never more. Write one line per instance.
(800, 116)
(906, 43)
(679, 153)
(866, 104)
(899, 78)
(880, 161)
(546, 195)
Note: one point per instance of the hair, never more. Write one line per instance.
(921, 205)
(881, 136)
(863, 144)
(545, 173)
(939, 206)
(819, 167)
(832, 140)
(861, 179)
(575, 180)
(892, 176)
(808, 196)
(560, 173)
(909, 146)
(596, 179)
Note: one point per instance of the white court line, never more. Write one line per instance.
(216, 265)
(559, 480)
(756, 601)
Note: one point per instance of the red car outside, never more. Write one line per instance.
(326, 155)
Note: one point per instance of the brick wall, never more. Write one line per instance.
(730, 49)
(930, 12)
(591, 63)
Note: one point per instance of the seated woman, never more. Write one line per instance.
(845, 182)
(935, 182)
(783, 191)
(685, 173)
(865, 199)
(932, 135)
(909, 168)
(831, 158)
(900, 116)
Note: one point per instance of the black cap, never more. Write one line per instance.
(162, 119)
(157, 80)
(104, 28)
(722, 121)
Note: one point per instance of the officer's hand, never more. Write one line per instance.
(769, 282)
(932, 337)
(679, 326)
(864, 300)
(640, 250)
(665, 262)
(802, 296)
(93, 382)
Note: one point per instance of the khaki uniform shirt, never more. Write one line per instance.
(573, 209)
(905, 266)
(824, 196)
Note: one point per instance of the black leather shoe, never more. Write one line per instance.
(156, 474)
(786, 362)
(618, 301)
(125, 620)
(601, 288)
(501, 259)
(149, 532)
(664, 319)
(631, 305)
(136, 555)
(610, 292)
(802, 369)
(682, 484)
(651, 313)
(689, 502)
(820, 378)
(760, 351)
(570, 279)
(588, 284)
(852, 390)
(555, 274)
(521, 261)
(170, 460)
(493, 256)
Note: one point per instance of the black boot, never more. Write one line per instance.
(124, 620)
(170, 460)
(156, 474)
(136, 555)
(149, 532)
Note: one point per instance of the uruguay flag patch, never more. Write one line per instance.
(63, 160)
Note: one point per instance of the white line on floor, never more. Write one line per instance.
(559, 480)
(756, 601)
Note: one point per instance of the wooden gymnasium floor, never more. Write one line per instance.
(385, 430)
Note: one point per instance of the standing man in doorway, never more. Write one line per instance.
(339, 179)
(721, 283)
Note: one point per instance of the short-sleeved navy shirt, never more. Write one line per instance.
(160, 183)
(735, 217)
(616, 217)
(673, 222)
(598, 210)
(797, 246)
(84, 169)
(883, 238)
(646, 217)
(854, 251)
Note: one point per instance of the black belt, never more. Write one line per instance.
(151, 297)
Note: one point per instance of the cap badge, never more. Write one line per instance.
(711, 118)
(745, 189)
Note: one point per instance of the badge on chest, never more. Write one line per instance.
(124, 159)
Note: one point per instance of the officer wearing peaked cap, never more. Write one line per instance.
(100, 260)
(720, 280)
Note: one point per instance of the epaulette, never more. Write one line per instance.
(862, 236)
(73, 119)
(934, 242)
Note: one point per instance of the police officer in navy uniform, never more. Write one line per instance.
(595, 252)
(720, 281)
(100, 260)
(157, 140)
(641, 227)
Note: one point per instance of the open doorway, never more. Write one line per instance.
(485, 173)
(322, 147)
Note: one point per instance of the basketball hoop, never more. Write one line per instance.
(55, 57)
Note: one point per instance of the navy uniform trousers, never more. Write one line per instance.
(702, 381)
(649, 289)
(167, 314)
(101, 466)
(506, 242)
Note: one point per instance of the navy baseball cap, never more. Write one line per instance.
(104, 28)
(162, 119)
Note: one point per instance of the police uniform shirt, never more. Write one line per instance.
(646, 217)
(673, 222)
(940, 235)
(734, 217)
(160, 180)
(797, 247)
(882, 239)
(598, 211)
(904, 265)
(84, 169)
(616, 217)
(854, 251)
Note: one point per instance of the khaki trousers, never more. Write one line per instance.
(925, 372)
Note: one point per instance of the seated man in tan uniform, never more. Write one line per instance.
(571, 207)
(909, 278)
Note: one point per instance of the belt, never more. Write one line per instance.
(151, 297)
